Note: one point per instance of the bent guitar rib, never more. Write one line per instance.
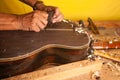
(20, 44)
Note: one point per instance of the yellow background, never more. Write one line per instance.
(72, 9)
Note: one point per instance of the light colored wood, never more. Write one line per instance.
(105, 23)
(113, 54)
(64, 72)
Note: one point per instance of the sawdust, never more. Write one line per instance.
(111, 68)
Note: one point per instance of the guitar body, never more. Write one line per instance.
(18, 49)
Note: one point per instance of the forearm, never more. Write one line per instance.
(29, 2)
(35, 4)
(8, 22)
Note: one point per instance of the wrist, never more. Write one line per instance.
(19, 22)
(39, 5)
(29, 2)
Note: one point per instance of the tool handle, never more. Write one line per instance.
(92, 26)
(50, 16)
(106, 45)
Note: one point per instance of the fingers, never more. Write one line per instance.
(39, 21)
(58, 16)
(35, 28)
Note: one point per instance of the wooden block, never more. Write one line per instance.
(69, 71)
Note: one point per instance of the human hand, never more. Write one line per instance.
(34, 21)
(57, 17)
(39, 5)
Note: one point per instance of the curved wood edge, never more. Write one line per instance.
(37, 51)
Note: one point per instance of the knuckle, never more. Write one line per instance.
(32, 23)
(36, 29)
(36, 13)
(45, 14)
(45, 22)
(42, 27)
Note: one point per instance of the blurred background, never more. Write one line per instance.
(72, 9)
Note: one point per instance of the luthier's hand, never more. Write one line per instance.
(57, 17)
(39, 5)
(34, 21)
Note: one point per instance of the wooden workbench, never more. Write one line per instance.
(80, 70)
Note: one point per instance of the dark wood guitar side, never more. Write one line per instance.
(15, 45)
(18, 49)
